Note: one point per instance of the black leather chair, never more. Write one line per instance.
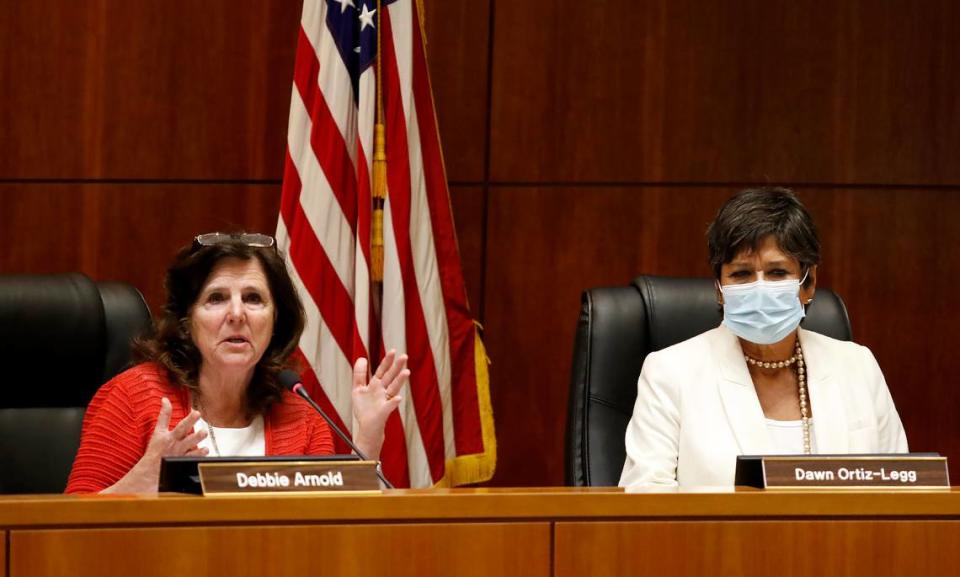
(61, 337)
(618, 327)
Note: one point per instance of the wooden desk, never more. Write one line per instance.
(526, 532)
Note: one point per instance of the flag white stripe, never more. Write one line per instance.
(334, 79)
(361, 299)
(366, 120)
(395, 336)
(325, 357)
(427, 274)
(401, 14)
(317, 199)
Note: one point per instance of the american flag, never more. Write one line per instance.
(442, 433)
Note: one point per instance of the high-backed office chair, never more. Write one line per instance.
(618, 327)
(61, 337)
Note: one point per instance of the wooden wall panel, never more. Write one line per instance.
(127, 232)
(153, 89)
(42, 229)
(111, 231)
(547, 244)
(738, 91)
(410, 549)
(468, 210)
(894, 256)
(458, 37)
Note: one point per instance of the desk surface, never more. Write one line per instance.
(482, 504)
(549, 532)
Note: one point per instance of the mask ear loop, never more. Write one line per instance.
(803, 280)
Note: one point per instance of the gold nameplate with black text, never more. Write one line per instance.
(854, 472)
(265, 477)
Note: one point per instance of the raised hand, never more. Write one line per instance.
(165, 442)
(375, 397)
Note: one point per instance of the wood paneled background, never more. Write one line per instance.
(585, 144)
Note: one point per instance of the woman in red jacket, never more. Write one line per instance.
(207, 382)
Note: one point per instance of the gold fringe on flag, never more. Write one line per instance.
(479, 467)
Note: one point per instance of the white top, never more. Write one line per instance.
(787, 437)
(247, 441)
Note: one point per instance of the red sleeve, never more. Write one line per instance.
(117, 427)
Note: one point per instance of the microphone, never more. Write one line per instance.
(291, 381)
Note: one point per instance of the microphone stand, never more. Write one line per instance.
(298, 389)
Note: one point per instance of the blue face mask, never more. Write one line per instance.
(763, 312)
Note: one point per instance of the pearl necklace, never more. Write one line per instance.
(801, 386)
(770, 365)
(213, 439)
(213, 436)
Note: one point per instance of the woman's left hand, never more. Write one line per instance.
(375, 397)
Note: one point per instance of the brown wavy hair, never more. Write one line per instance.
(171, 346)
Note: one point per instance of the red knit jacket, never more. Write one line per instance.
(123, 415)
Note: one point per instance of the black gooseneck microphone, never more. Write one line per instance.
(291, 381)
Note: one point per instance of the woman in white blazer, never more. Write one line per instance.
(757, 384)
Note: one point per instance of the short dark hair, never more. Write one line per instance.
(171, 346)
(755, 213)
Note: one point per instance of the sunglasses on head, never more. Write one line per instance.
(253, 239)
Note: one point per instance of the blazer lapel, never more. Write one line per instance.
(829, 418)
(740, 401)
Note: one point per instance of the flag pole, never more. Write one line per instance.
(379, 197)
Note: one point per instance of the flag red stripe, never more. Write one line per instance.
(364, 203)
(315, 269)
(393, 455)
(423, 381)
(328, 144)
(466, 420)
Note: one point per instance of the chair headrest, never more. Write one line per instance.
(62, 336)
(51, 338)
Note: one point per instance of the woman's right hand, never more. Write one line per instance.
(181, 441)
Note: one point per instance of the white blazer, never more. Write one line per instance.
(697, 410)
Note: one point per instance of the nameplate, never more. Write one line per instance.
(258, 478)
(847, 471)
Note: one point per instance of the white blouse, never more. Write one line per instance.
(787, 436)
(247, 441)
